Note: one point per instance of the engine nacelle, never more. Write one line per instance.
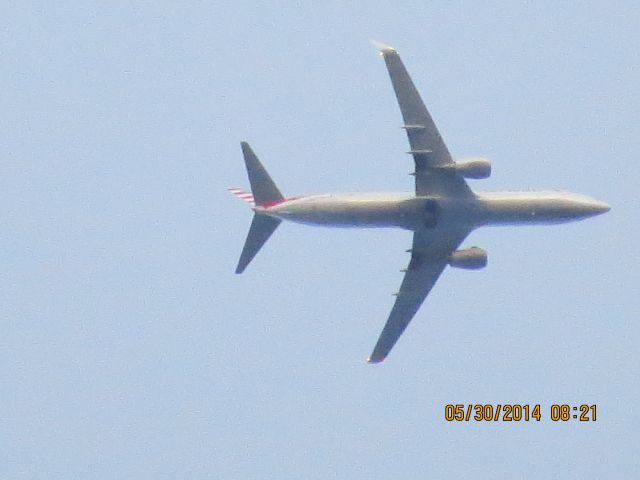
(473, 258)
(477, 168)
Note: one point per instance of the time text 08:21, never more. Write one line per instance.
(518, 412)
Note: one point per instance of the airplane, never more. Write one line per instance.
(441, 214)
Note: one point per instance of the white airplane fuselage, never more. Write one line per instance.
(378, 210)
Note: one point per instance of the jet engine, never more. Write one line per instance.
(473, 258)
(477, 168)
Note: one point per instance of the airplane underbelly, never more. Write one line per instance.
(411, 214)
(358, 214)
(353, 217)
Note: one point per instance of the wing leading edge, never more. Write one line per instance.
(429, 257)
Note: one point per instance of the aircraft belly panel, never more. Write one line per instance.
(351, 212)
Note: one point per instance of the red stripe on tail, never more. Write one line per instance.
(242, 195)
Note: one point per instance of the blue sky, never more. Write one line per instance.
(130, 349)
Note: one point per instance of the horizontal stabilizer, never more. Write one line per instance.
(261, 229)
(264, 190)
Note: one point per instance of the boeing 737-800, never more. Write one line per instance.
(441, 213)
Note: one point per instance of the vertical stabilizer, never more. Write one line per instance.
(264, 190)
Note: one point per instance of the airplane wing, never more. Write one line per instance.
(427, 147)
(428, 259)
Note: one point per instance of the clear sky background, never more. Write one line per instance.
(128, 347)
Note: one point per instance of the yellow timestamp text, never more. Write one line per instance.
(516, 412)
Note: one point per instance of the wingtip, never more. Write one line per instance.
(375, 360)
(381, 47)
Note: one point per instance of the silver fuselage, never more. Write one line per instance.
(375, 210)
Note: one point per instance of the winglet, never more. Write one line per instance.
(381, 47)
(375, 359)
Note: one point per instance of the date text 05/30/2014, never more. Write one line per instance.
(516, 412)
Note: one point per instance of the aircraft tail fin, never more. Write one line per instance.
(242, 195)
(261, 229)
(263, 188)
(264, 193)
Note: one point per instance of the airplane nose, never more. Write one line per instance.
(600, 207)
(587, 207)
(596, 207)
